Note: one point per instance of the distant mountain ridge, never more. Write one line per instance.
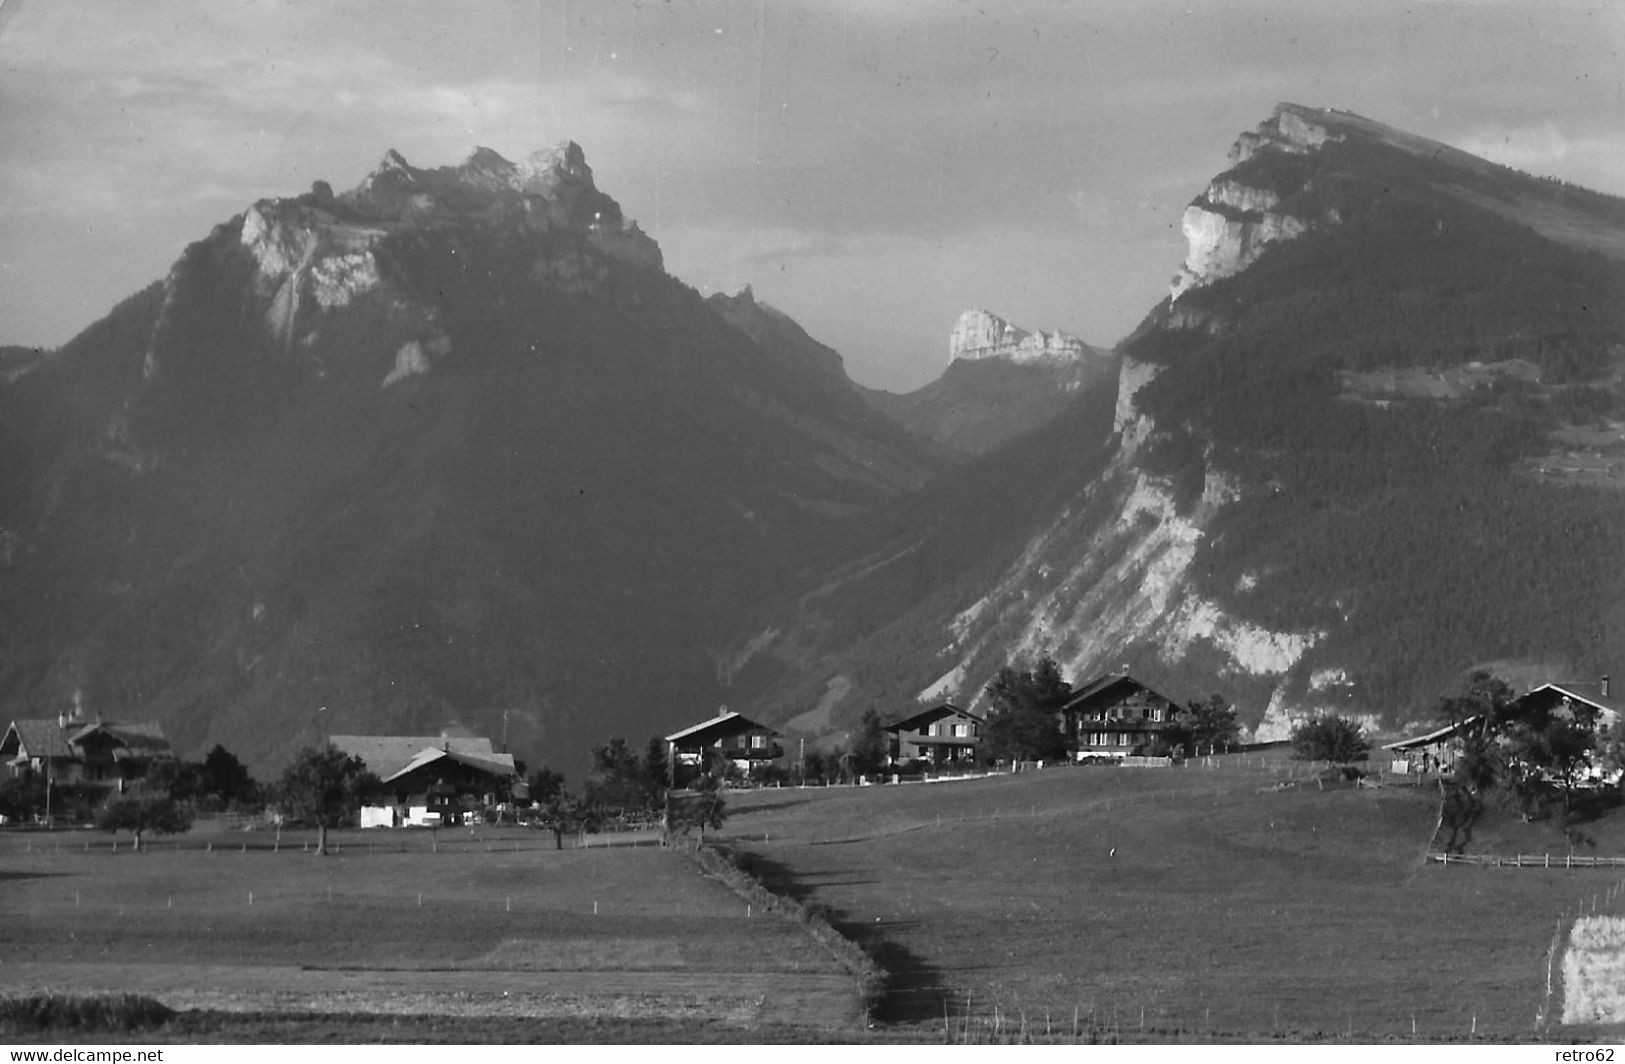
(452, 443)
(1002, 381)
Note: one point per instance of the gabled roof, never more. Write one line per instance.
(932, 715)
(37, 738)
(1434, 736)
(727, 722)
(1102, 686)
(494, 764)
(387, 755)
(140, 738)
(1611, 706)
(50, 737)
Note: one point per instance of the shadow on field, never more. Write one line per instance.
(914, 989)
(5, 876)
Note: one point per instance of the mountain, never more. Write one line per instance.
(1373, 438)
(1001, 381)
(449, 449)
(16, 360)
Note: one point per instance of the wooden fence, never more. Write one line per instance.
(1527, 860)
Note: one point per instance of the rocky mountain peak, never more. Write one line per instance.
(1230, 224)
(980, 334)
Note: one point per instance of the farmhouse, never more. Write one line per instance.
(737, 742)
(1590, 704)
(1434, 751)
(942, 735)
(70, 750)
(430, 780)
(1116, 715)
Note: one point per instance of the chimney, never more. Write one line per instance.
(1605, 686)
(62, 721)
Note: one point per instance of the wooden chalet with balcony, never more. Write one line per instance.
(1116, 716)
(68, 750)
(427, 780)
(941, 735)
(728, 741)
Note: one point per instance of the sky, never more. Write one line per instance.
(870, 167)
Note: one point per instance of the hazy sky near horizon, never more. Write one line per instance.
(871, 168)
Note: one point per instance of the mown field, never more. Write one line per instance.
(1233, 900)
(1239, 900)
(466, 936)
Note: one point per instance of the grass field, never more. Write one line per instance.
(495, 925)
(1204, 901)
(1233, 900)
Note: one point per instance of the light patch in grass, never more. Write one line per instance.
(1594, 971)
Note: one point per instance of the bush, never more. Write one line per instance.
(103, 1012)
(1330, 738)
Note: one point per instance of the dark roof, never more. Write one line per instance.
(1118, 684)
(51, 737)
(492, 765)
(1559, 691)
(1434, 736)
(930, 716)
(724, 724)
(387, 755)
(37, 738)
(147, 738)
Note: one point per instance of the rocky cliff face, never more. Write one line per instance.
(978, 334)
(1230, 224)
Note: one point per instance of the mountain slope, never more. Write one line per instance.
(1372, 439)
(447, 445)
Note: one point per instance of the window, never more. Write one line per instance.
(1156, 713)
(758, 742)
(962, 731)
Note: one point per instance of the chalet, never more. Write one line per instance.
(430, 780)
(69, 750)
(739, 742)
(1589, 703)
(942, 735)
(1434, 751)
(1116, 715)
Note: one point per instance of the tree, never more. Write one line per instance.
(701, 807)
(1486, 696)
(563, 814)
(1211, 723)
(545, 784)
(1024, 713)
(869, 745)
(1330, 738)
(655, 767)
(224, 778)
(173, 777)
(144, 809)
(1550, 745)
(23, 795)
(618, 778)
(325, 788)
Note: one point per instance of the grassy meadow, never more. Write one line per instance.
(1238, 899)
(494, 925)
